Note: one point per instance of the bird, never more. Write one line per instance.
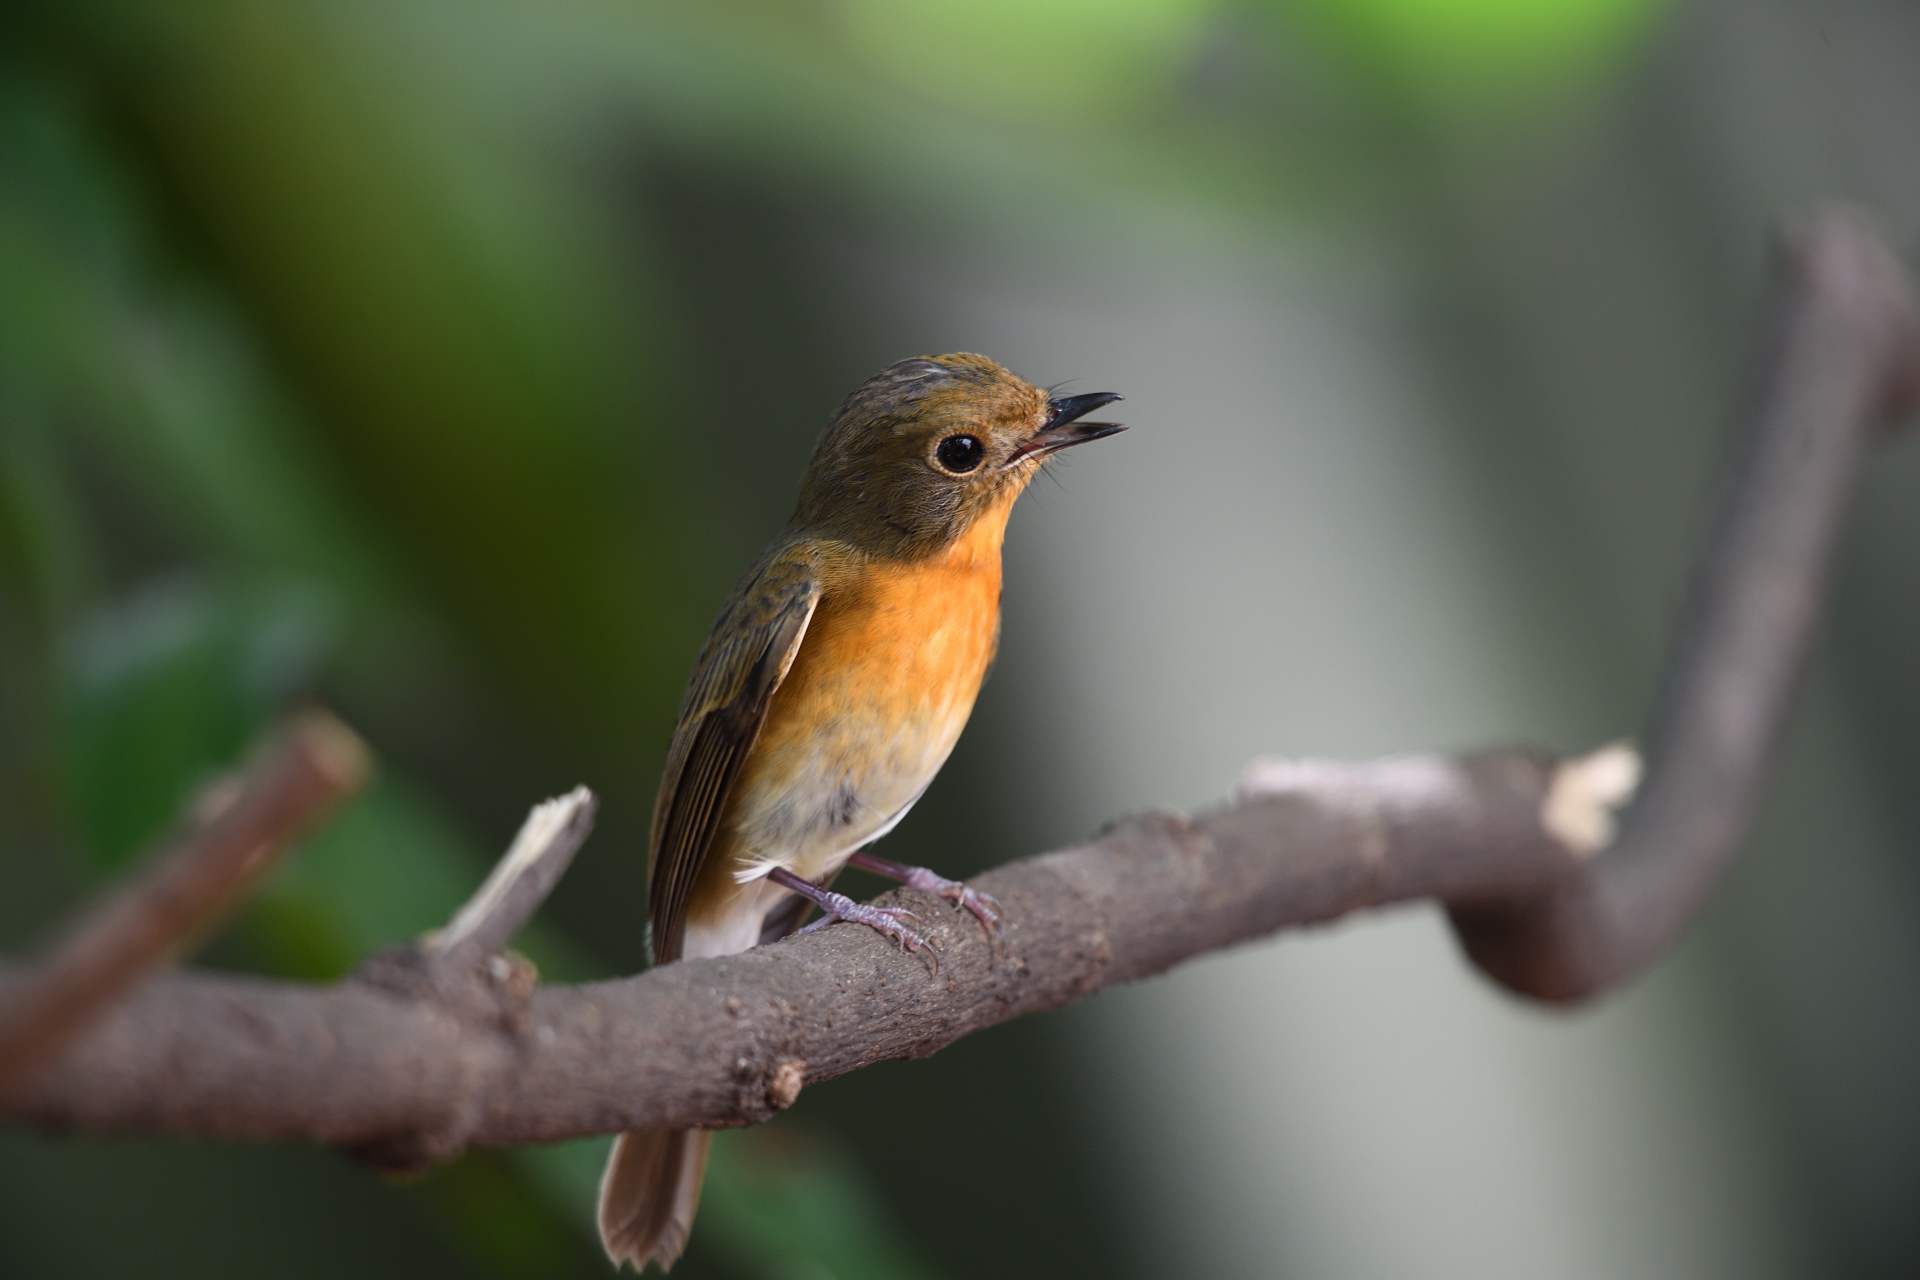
(828, 694)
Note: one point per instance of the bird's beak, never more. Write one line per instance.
(1064, 428)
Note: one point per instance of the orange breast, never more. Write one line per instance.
(875, 700)
(911, 643)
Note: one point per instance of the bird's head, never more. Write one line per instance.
(927, 447)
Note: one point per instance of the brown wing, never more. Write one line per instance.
(745, 658)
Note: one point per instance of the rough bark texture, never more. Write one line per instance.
(419, 1070)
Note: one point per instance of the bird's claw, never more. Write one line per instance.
(888, 922)
(983, 906)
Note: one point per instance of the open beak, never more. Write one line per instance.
(1064, 428)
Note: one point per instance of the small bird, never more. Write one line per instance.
(829, 692)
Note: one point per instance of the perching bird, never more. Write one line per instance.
(829, 693)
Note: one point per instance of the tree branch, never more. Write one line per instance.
(241, 828)
(1843, 364)
(506, 900)
(728, 1041)
(1517, 845)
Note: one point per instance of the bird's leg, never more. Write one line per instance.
(984, 906)
(890, 922)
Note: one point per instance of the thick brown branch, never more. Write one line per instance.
(729, 1041)
(242, 827)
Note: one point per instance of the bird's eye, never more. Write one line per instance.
(960, 454)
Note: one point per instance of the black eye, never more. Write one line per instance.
(960, 453)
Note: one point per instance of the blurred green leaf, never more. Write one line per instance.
(45, 556)
(384, 870)
(429, 283)
(797, 1205)
(169, 687)
(44, 552)
(1078, 59)
(1479, 50)
(488, 1217)
(148, 361)
(780, 1202)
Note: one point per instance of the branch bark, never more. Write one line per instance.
(506, 900)
(729, 1041)
(447, 1047)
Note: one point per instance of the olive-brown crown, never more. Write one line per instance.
(920, 451)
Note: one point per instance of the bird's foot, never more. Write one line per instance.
(893, 923)
(984, 907)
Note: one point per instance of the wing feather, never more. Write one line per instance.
(746, 656)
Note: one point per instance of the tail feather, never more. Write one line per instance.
(649, 1193)
(652, 1184)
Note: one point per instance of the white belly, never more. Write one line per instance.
(832, 805)
(813, 841)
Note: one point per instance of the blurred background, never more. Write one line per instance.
(445, 362)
